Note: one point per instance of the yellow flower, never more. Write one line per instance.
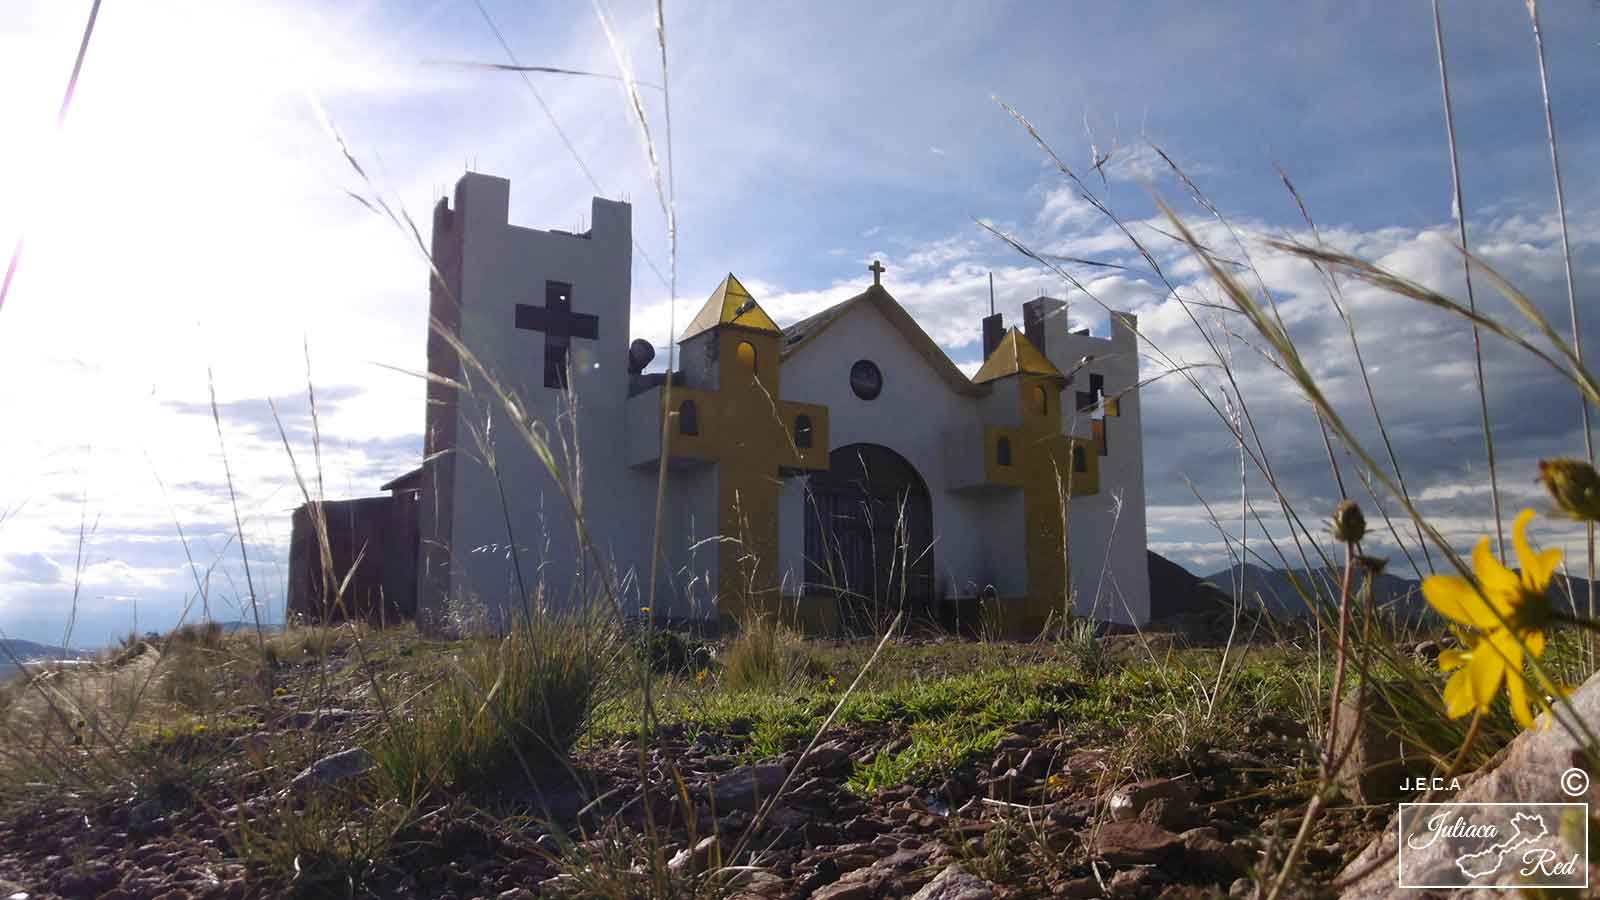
(1503, 614)
(700, 676)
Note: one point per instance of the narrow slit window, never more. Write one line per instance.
(688, 418)
(1080, 460)
(1096, 392)
(802, 432)
(1002, 452)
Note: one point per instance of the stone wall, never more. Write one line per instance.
(383, 531)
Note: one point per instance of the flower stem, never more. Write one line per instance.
(1583, 622)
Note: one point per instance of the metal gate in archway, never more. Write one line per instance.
(869, 536)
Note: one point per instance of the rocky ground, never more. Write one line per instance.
(1048, 806)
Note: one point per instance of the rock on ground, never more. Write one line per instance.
(339, 767)
(1132, 843)
(955, 883)
(1529, 771)
(747, 787)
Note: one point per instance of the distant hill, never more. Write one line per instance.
(1175, 591)
(16, 650)
(28, 651)
(1275, 589)
(239, 625)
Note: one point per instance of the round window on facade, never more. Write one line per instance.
(747, 356)
(865, 379)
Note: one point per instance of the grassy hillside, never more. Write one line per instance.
(574, 758)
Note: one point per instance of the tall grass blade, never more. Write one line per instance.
(1336, 295)
(1572, 289)
(555, 125)
(233, 498)
(1472, 303)
(61, 117)
(538, 70)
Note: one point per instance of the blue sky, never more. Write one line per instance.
(193, 217)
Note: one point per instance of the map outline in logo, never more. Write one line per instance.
(1522, 827)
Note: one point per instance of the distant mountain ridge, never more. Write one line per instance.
(16, 650)
(1275, 589)
(29, 651)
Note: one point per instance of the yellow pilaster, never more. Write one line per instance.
(753, 436)
(1045, 464)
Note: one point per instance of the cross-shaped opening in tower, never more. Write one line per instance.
(560, 325)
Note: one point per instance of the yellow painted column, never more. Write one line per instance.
(750, 434)
(1043, 463)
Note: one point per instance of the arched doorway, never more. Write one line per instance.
(869, 536)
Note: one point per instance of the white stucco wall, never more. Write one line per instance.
(978, 541)
(504, 265)
(686, 582)
(979, 533)
(1110, 570)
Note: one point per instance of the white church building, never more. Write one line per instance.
(832, 472)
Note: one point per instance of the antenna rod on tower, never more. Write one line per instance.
(991, 293)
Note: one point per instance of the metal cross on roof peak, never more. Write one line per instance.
(877, 271)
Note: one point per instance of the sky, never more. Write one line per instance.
(193, 236)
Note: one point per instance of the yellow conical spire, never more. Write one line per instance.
(1015, 355)
(731, 304)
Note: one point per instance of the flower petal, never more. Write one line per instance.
(1518, 691)
(1533, 641)
(1484, 674)
(1457, 600)
(1451, 660)
(1537, 567)
(1458, 699)
(1507, 649)
(1500, 584)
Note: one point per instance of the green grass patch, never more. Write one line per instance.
(955, 714)
(505, 704)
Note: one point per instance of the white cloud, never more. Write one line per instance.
(1065, 209)
(32, 568)
(191, 217)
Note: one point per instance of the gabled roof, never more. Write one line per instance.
(801, 333)
(1016, 355)
(730, 304)
(410, 481)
